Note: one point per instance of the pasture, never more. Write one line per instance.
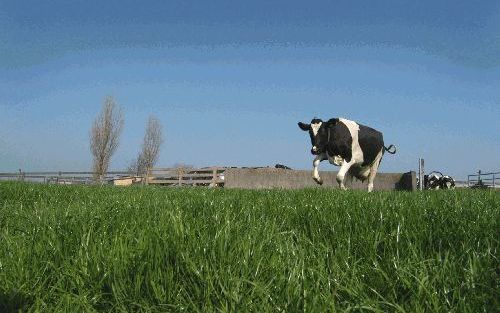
(147, 249)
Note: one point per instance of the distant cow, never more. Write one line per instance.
(356, 148)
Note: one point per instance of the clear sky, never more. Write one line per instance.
(229, 80)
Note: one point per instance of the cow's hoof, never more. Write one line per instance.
(319, 181)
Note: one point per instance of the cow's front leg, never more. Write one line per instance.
(342, 173)
(315, 173)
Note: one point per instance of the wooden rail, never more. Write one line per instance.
(61, 177)
(208, 176)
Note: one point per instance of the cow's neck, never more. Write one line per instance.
(330, 149)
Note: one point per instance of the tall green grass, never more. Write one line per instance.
(86, 249)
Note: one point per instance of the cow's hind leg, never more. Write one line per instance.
(374, 170)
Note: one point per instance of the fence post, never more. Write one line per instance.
(179, 173)
(421, 173)
(214, 177)
(21, 175)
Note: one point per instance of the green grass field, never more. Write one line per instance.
(145, 249)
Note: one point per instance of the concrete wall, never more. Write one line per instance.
(249, 178)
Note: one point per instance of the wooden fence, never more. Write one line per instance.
(209, 176)
(61, 177)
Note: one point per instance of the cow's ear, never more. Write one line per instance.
(304, 127)
(331, 122)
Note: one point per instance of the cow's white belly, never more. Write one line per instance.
(360, 172)
(335, 160)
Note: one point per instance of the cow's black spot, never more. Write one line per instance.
(340, 142)
(371, 142)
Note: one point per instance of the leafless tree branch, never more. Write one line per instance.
(150, 148)
(104, 136)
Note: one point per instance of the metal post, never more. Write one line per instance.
(421, 173)
(493, 180)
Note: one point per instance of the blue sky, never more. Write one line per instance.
(229, 80)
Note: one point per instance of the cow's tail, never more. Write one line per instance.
(388, 149)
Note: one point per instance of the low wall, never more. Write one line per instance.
(249, 178)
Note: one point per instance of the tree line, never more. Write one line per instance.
(105, 136)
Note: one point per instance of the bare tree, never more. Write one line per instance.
(150, 147)
(104, 136)
(136, 166)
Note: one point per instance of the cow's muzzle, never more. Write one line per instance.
(315, 150)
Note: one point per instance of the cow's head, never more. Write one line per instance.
(319, 132)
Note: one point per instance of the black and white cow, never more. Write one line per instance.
(356, 148)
